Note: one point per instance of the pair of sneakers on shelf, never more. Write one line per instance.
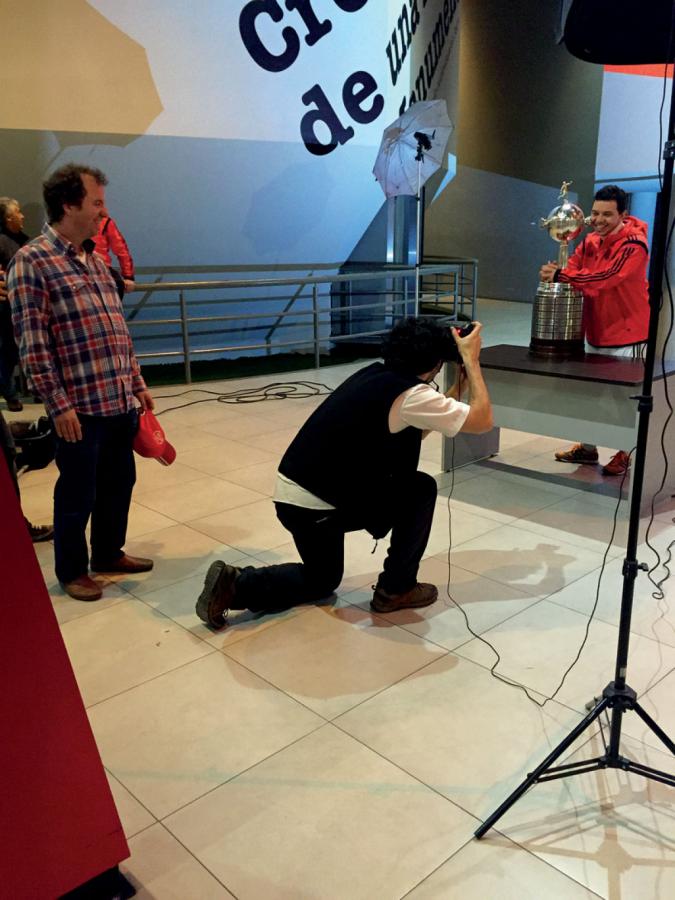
(585, 455)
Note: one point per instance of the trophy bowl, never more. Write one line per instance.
(565, 222)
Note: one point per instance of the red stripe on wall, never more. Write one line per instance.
(655, 70)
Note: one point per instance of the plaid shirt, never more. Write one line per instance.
(69, 324)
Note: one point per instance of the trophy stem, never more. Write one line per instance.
(563, 254)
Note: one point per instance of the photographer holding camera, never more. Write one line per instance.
(353, 466)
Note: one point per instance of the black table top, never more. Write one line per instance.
(592, 367)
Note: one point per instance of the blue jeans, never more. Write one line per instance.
(96, 479)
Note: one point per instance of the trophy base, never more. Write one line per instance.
(557, 322)
(557, 349)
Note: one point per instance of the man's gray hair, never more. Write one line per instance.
(5, 203)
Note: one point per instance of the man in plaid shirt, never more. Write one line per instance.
(77, 354)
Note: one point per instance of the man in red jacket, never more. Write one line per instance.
(610, 268)
(110, 239)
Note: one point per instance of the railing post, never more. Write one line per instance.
(315, 325)
(186, 337)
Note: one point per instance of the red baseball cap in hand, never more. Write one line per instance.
(150, 440)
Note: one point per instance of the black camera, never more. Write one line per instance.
(450, 349)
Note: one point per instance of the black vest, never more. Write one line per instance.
(345, 453)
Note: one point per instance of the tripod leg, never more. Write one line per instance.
(547, 763)
(650, 723)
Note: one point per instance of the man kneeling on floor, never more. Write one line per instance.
(353, 466)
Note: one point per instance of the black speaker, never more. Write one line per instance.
(620, 32)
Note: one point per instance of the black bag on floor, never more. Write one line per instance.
(35, 443)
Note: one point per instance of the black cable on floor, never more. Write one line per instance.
(277, 390)
(505, 679)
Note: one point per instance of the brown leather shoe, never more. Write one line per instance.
(218, 595)
(129, 565)
(421, 595)
(82, 588)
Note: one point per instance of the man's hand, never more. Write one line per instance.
(68, 426)
(145, 399)
(129, 285)
(3, 288)
(469, 346)
(547, 271)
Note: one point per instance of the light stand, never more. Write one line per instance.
(618, 696)
(423, 144)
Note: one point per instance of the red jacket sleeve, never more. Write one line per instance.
(630, 259)
(119, 247)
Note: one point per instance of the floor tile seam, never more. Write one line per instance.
(92, 610)
(455, 605)
(192, 855)
(162, 820)
(326, 719)
(515, 844)
(558, 498)
(565, 541)
(391, 624)
(521, 686)
(453, 565)
(388, 687)
(152, 678)
(139, 490)
(654, 743)
(300, 610)
(245, 446)
(584, 543)
(438, 868)
(416, 778)
(180, 625)
(651, 686)
(222, 476)
(271, 684)
(472, 637)
(506, 520)
(605, 620)
(154, 818)
(507, 584)
(493, 522)
(191, 524)
(514, 524)
(150, 509)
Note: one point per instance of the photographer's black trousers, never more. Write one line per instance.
(319, 537)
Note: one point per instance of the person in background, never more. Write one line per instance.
(37, 533)
(12, 237)
(109, 239)
(609, 267)
(77, 354)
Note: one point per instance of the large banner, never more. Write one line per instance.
(260, 117)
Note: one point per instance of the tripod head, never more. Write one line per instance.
(423, 143)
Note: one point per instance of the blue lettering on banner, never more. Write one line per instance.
(359, 87)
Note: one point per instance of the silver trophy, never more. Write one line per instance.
(557, 328)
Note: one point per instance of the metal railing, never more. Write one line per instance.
(188, 320)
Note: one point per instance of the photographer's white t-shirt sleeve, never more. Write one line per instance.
(425, 408)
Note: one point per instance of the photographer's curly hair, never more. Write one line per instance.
(417, 345)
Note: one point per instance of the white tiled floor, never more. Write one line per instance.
(328, 752)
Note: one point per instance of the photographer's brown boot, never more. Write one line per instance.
(218, 595)
(421, 595)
